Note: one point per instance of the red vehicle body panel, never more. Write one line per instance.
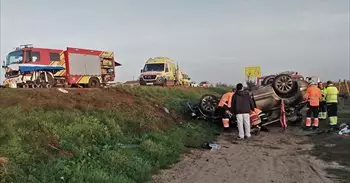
(62, 58)
(44, 55)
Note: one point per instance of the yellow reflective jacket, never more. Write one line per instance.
(332, 94)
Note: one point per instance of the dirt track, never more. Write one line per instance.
(270, 157)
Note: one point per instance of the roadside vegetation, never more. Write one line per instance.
(336, 148)
(94, 135)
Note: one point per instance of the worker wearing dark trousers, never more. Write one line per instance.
(332, 104)
(225, 107)
(322, 115)
(313, 96)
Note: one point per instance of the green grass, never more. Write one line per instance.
(57, 144)
(172, 98)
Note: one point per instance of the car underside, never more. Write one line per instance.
(266, 98)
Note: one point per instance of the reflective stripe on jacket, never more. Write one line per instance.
(226, 99)
(313, 95)
(332, 94)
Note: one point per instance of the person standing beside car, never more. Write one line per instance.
(332, 104)
(225, 107)
(313, 96)
(242, 105)
(323, 104)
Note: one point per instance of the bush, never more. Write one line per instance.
(98, 145)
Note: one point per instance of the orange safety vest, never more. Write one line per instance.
(313, 95)
(226, 99)
(254, 116)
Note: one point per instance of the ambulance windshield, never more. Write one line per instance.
(153, 67)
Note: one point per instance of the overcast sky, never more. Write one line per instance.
(211, 40)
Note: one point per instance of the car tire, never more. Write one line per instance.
(208, 104)
(284, 85)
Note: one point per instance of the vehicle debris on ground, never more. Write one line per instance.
(62, 90)
(344, 129)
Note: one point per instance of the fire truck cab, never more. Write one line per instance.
(29, 54)
(28, 66)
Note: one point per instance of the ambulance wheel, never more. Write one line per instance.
(94, 83)
(25, 86)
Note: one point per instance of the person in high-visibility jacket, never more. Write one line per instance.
(323, 104)
(313, 96)
(225, 107)
(332, 103)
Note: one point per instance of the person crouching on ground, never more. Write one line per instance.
(225, 108)
(242, 105)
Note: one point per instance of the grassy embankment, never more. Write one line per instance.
(335, 148)
(111, 135)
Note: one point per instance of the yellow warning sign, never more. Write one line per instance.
(252, 72)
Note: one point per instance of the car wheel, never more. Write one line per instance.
(284, 84)
(208, 104)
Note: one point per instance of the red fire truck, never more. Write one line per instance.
(28, 66)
